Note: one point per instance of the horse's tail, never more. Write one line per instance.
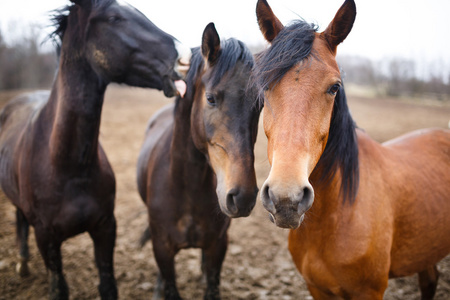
(145, 237)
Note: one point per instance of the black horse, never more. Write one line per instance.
(52, 166)
(197, 161)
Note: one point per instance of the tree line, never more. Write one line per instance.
(398, 77)
(25, 65)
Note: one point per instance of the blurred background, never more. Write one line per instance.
(396, 66)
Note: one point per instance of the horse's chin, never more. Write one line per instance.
(172, 88)
(169, 88)
(293, 222)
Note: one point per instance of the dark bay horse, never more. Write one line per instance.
(380, 210)
(196, 166)
(52, 166)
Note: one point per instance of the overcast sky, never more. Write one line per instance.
(416, 29)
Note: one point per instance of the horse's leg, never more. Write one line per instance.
(145, 237)
(165, 258)
(318, 294)
(158, 292)
(104, 239)
(50, 250)
(22, 230)
(212, 259)
(428, 280)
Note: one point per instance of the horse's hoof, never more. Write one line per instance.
(212, 294)
(212, 297)
(22, 269)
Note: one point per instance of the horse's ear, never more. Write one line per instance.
(210, 43)
(268, 23)
(341, 25)
(81, 2)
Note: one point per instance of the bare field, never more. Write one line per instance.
(258, 264)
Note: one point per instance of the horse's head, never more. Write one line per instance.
(122, 45)
(224, 119)
(298, 78)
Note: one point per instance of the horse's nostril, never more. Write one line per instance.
(265, 192)
(307, 195)
(268, 199)
(240, 202)
(305, 200)
(231, 201)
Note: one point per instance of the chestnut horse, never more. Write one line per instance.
(380, 211)
(52, 166)
(196, 166)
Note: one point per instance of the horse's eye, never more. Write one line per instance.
(334, 89)
(211, 99)
(114, 19)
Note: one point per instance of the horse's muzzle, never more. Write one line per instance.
(287, 208)
(240, 203)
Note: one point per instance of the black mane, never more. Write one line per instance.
(59, 18)
(232, 51)
(341, 151)
(292, 45)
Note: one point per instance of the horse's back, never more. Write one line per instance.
(19, 110)
(425, 148)
(421, 161)
(435, 135)
(157, 127)
(14, 119)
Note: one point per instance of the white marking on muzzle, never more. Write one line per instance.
(184, 58)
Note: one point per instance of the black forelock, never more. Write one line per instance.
(292, 44)
(232, 51)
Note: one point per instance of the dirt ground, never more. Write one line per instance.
(258, 264)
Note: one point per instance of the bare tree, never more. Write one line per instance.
(23, 64)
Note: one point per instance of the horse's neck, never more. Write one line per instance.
(186, 159)
(75, 105)
(336, 175)
(327, 199)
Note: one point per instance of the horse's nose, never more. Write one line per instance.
(287, 204)
(184, 58)
(240, 203)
